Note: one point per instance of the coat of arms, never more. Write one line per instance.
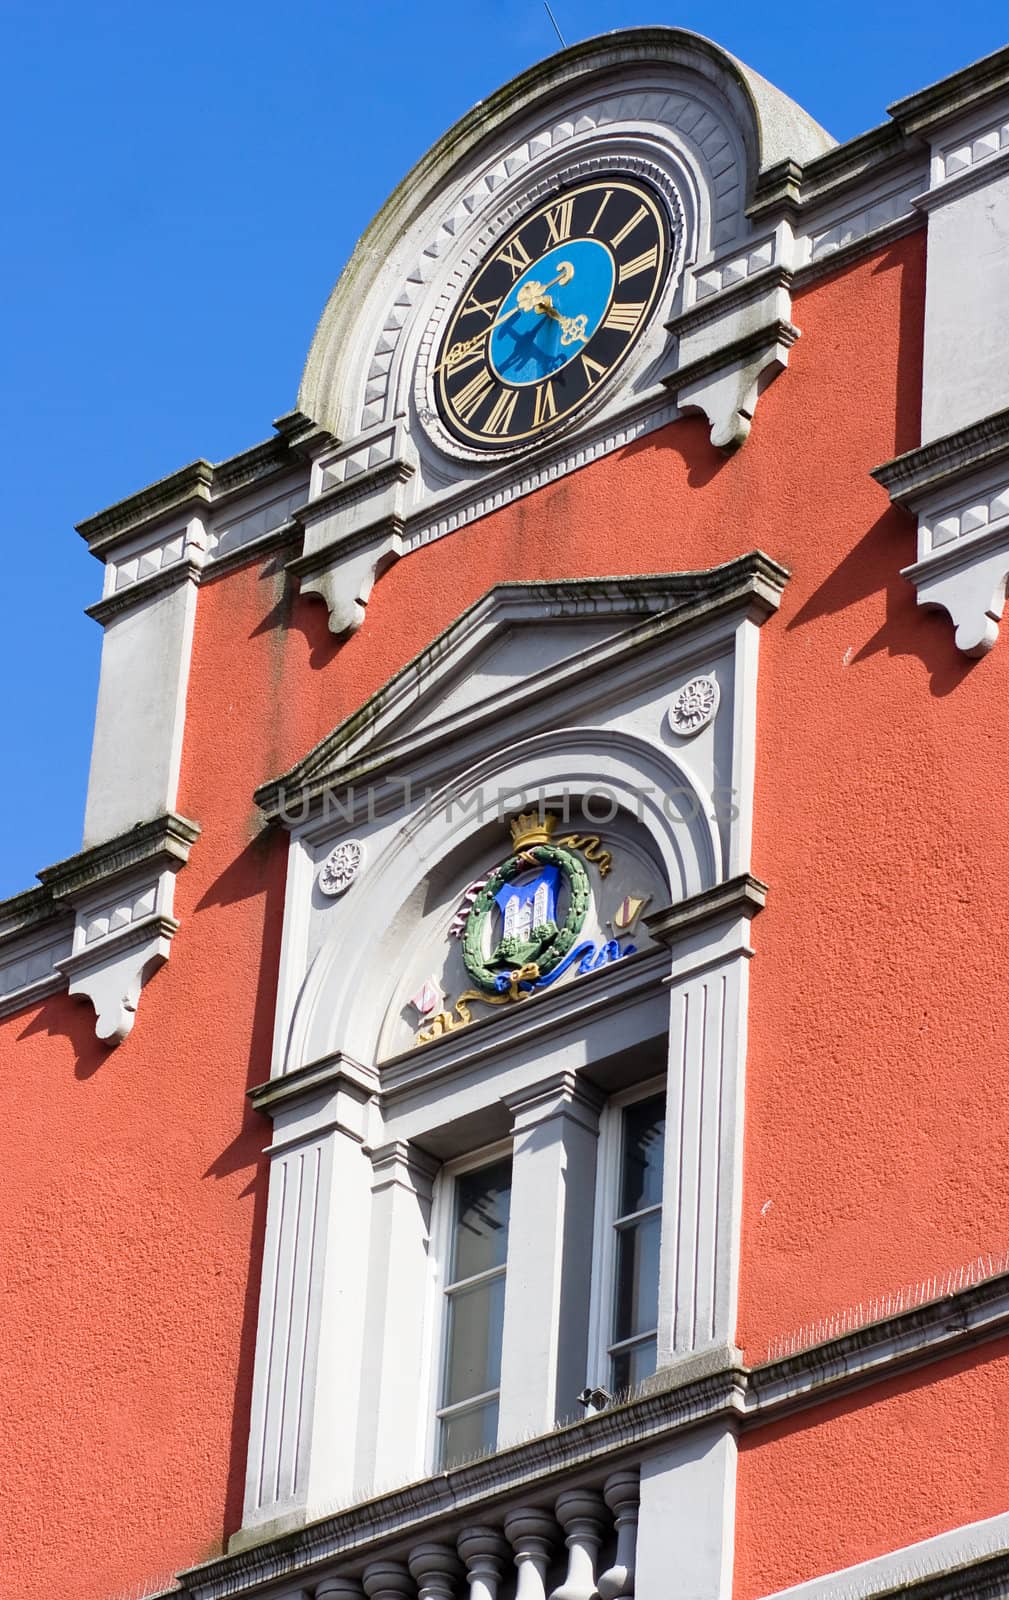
(514, 921)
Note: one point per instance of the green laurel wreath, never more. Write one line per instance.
(553, 942)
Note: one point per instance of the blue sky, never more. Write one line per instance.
(183, 185)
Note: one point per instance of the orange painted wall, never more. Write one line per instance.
(873, 1063)
(895, 1463)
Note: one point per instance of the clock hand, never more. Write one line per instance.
(573, 329)
(528, 296)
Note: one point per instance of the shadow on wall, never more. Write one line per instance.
(873, 565)
(890, 544)
(73, 1020)
(263, 860)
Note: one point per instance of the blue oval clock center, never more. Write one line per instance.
(534, 340)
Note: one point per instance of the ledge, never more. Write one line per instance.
(961, 91)
(323, 1076)
(738, 897)
(164, 841)
(980, 445)
(200, 483)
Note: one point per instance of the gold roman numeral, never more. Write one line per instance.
(628, 227)
(473, 394)
(558, 222)
(488, 307)
(593, 371)
(623, 314)
(499, 418)
(602, 208)
(642, 263)
(544, 404)
(516, 256)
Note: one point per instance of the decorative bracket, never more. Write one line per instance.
(121, 893)
(353, 525)
(729, 351)
(959, 488)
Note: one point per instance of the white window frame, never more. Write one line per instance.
(442, 1224)
(603, 1292)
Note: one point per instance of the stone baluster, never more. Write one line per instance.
(486, 1554)
(531, 1534)
(388, 1580)
(437, 1570)
(581, 1514)
(621, 1493)
(339, 1589)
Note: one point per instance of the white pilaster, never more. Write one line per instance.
(702, 1179)
(965, 370)
(137, 746)
(311, 1316)
(687, 1516)
(544, 1349)
(393, 1424)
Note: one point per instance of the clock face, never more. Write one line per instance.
(551, 313)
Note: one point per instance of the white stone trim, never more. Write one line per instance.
(32, 968)
(727, 274)
(911, 1564)
(881, 211)
(550, 1247)
(952, 159)
(136, 747)
(433, 728)
(314, 1270)
(959, 489)
(687, 1516)
(702, 1187)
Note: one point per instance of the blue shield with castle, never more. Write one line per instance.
(528, 915)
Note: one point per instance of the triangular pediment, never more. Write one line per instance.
(519, 643)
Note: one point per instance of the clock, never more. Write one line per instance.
(551, 313)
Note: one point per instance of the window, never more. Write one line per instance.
(474, 1312)
(632, 1348)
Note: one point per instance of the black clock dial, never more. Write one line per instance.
(552, 312)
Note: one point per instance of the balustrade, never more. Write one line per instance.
(534, 1552)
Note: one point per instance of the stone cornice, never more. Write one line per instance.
(200, 483)
(983, 444)
(961, 91)
(318, 1077)
(164, 841)
(739, 897)
(137, 594)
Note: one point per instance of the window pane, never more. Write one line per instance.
(644, 1134)
(631, 1367)
(482, 1200)
(468, 1433)
(473, 1347)
(637, 1303)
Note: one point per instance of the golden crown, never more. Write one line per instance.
(530, 828)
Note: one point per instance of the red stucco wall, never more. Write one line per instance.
(132, 1250)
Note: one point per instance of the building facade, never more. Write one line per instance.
(507, 1101)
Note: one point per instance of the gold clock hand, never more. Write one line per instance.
(573, 329)
(528, 295)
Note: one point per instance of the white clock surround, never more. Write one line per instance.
(657, 103)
